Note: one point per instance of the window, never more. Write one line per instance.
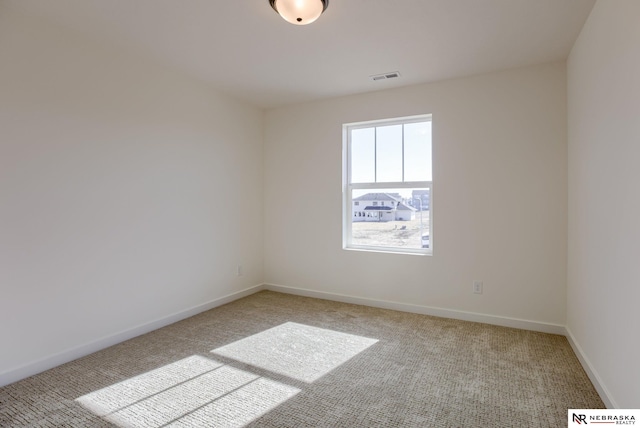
(388, 178)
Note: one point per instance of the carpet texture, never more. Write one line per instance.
(277, 360)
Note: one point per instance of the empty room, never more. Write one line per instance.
(303, 213)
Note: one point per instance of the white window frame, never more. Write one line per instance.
(348, 187)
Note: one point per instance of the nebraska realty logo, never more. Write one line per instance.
(580, 417)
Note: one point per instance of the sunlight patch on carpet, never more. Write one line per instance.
(195, 391)
(296, 350)
(240, 407)
(123, 394)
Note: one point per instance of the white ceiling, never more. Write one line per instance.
(242, 47)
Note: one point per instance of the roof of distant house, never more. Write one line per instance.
(378, 208)
(405, 207)
(376, 197)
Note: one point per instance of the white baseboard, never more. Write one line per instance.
(51, 361)
(604, 393)
(425, 310)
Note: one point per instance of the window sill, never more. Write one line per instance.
(390, 251)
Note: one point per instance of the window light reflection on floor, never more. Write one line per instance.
(195, 391)
(296, 350)
(199, 391)
(130, 391)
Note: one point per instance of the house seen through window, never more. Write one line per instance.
(388, 185)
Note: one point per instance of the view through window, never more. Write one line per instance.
(388, 185)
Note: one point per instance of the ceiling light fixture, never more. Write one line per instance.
(299, 12)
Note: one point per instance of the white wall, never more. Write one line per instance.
(499, 197)
(127, 193)
(604, 201)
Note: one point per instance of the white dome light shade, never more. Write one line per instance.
(299, 12)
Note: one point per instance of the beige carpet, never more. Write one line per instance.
(275, 360)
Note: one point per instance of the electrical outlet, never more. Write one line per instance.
(239, 270)
(477, 287)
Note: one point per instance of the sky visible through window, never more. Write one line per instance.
(377, 155)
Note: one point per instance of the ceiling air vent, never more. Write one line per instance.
(385, 76)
